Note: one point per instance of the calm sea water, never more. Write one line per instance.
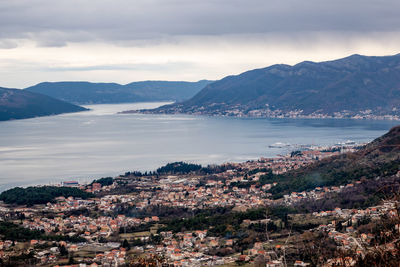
(98, 143)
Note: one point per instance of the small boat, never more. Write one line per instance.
(279, 145)
(346, 143)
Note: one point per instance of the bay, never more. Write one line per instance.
(98, 143)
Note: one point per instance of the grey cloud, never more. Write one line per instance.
(168, 66)
(55, 23)
(8, 44)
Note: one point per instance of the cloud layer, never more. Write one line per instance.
(179, 39)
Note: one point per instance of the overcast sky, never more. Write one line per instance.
(124, 41)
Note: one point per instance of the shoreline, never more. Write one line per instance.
(46, 175)
(374, 118)
(341, 148)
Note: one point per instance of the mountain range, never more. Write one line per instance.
(21, 104)
(356, 86)
(96, 93)
(348, 86)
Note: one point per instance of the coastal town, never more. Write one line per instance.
(243, 111)
(138, 219)
(299, 114)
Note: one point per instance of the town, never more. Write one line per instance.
(176, 217)
(238, 110)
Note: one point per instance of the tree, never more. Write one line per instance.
(126, 245)
(40, 195)
(71, 258)
(63, 250)
(260, 261)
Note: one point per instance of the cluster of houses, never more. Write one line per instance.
(317, 193)
(348, 236)
(243, 111)
(190, 248)
(89, 228)
(235, 187)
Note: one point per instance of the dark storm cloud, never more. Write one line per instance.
(55, 23)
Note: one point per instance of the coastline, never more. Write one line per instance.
(247, 139)
(313, 152)
(321, 116)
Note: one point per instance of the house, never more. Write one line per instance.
(213, 243)
(229, 242)
(96, 186)
(300, 263)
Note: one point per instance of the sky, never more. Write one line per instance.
(123, 41)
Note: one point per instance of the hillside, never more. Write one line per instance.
(87, 93)
(40, 195)
(19, 104)
(351, 85)
(380, 158)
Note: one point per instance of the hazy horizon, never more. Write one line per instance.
(176, 80)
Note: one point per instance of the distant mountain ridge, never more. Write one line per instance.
(21, 104)
(96, 93)
(348, 86)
